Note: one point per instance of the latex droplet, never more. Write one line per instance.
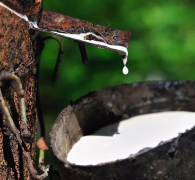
(125, 61)
(125, 70)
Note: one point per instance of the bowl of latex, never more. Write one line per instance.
(129, 131)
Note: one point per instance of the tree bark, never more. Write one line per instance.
(19, 53)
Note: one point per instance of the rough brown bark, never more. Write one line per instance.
(19, 53)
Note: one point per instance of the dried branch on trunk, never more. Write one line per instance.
(83, 52)
(15, 82)
(60, 53)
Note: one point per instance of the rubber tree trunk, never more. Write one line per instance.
(19, 53)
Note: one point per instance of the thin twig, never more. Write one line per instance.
(16, 84)
(60, 53)
(42, 162)
(9, 121)
(83, 52)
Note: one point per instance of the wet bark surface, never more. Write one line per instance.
(19, 54)
(170, 160)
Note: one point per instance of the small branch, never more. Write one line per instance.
(83, 52)
(16, 84)
(60, 53)
(73, 28)
(83, 31)
(42, 162)
(9, 121)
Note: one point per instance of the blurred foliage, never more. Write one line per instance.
(162, 47)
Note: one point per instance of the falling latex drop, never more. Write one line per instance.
(125, 70)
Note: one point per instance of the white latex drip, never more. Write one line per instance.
(125, 69)
(80, 37)
(16, 13)
(119, 141)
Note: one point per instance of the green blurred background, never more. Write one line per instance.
(161, 48)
